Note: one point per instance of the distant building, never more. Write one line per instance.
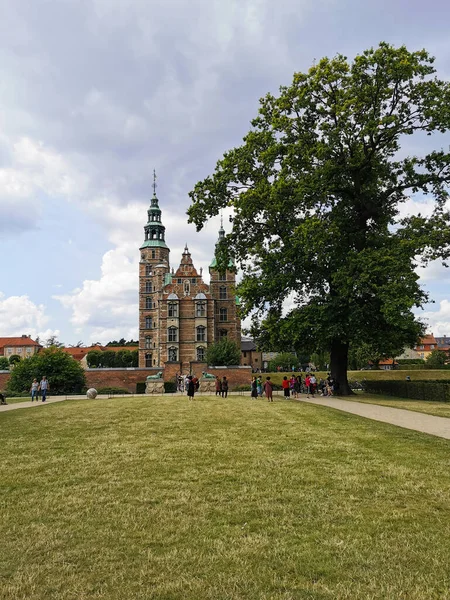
(179, 314)
(250, 355)
(23, 346)
(443, 342)
(426, 346)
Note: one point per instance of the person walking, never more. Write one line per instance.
(307, 385)
(268, 389)
(285, 386)
(224, 387)
(34, 389)
(190, 388)
(313, 384)
(218, 386)
(254, 393)
(259, 386)
(44, 388)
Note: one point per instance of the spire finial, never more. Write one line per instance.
(221, 220)
(154, 182)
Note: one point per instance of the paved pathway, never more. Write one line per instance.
(439, 426)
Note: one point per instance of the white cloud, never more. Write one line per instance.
(439, 320)
(20, 316)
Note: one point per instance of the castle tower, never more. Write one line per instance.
(223, 290)
(153, 273)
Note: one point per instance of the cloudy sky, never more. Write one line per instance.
(97, 93)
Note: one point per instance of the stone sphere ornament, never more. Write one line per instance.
(91, 393)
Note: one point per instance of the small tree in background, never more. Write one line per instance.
(437, 359)
(285, 360)
(65, 374)
(225, 352)
(93, 359)
(4, 363)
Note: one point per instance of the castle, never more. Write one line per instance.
(179, 314)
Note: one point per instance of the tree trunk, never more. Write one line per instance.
(339, 361)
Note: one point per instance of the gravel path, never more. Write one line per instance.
(439, 426)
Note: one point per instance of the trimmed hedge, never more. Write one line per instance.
(436, 391)
(112, 390)
(170, 387)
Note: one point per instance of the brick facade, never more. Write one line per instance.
(179, 314)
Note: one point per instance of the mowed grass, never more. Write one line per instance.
(158, 498)
(438, 409)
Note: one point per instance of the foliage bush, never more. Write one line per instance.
(112, 390)
(412, 367)
(110, 359)
(4, 363)
(65, 375)
(14, 359)
(410, 361)
(223, 353)
(437, 391)
(170, 387)
(245, 387)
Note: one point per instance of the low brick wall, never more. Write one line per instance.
(128, 378)
(4, 376)
(118, 378)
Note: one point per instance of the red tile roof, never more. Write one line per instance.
(18, 341)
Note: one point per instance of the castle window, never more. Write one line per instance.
(148, 270)
(153, 253)
(173, 354)
(148, 360)
(201, 354)
(148, 303)
(200, 310)
(193, 280)
(172, 309)
(148, 342)
(222, 293)
(179, 280)
(223, 333)
(172, 334)
(201, 334)
(148, 287)
(223, 314)
(222, 276)
(187, 288)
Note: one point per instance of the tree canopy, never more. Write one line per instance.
(223, 353)
(64, 374)
(317, 188)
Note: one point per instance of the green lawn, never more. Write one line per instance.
(159, 498)
(439, 409)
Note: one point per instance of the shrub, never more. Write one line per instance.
(437, 391)
(170, 387)
(245, 387)
(4, 363)
(112, 390)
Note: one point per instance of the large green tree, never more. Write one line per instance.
(317, 188)
(65, 374)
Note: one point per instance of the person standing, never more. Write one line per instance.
(254, 393)
(259, 386)
(307, 385)
(218, 386)
(224, 387)
(190, 388)
(34, 389)
(44, 388)
(285, 386)
(313, 384)
(268, 389)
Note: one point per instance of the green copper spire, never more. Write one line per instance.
(154, 230)
(213, 264)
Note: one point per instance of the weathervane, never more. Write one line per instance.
(154, 182)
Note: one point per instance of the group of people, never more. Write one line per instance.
(41, 387)
(294, 386)
(221, 386)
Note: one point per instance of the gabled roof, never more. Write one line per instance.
(18, 341)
